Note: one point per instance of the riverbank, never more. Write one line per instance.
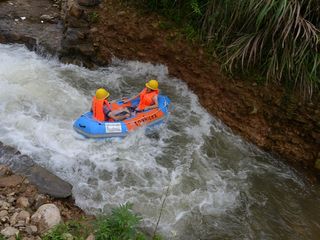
(280, 123)
(274, 120)
(19, 202)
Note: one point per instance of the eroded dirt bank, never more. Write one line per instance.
(264, 115)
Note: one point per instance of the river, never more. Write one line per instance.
(220, 186)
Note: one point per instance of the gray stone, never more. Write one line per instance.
(46, 217)
(49, 183)
(40, 199)
(32, 229)
(23, 202)
(11, 199)
(13, 219)
(4, 205)
(9, 231)
(24, 216)
(3, 213)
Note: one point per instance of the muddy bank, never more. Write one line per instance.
(276, 121)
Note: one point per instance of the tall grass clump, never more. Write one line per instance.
(278, 39)
(121, 224)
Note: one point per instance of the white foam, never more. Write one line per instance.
(39, 100)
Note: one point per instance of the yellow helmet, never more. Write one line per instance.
(101, 93)
(152, 84)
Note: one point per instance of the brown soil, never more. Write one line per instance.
(264, 115)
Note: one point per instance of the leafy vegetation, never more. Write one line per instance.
(279, 39)
(78, 231)
(121, 224)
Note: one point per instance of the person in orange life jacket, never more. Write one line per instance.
(148, 96)
(101, 108)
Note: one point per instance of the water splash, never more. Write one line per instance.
(220, 186)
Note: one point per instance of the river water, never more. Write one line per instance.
(219, 186)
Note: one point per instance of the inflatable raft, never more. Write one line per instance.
(91, 128)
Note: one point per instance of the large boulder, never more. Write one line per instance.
(45, 181)
(46, 217)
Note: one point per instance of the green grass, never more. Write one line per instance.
(278, 39)
(121, 224)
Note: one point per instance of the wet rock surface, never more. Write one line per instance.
(46, 182)
(21, 22)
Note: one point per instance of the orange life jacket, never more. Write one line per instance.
(97, 108)
(146, 99)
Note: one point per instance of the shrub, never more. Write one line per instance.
(121, 224)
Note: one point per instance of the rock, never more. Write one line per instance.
(4, 205)
(9, 231)
(4, 171)
(10, 181)
(86, 49)
(32, 229)
(73, 35)
(90, 237)
(48, 183)
(24, 216)
(40, 199)
(20, 224)
(89, 3)
(22, 202)
(93, 30)
(75, 10)
(3, 213)
(11, 199)
(48, 18)
(13, 219)
(46, 217)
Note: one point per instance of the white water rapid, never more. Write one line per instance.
(220, 187)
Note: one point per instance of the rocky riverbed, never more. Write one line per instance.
(91, 32)
(27, 213)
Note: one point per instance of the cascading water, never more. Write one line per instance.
(220, 187)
